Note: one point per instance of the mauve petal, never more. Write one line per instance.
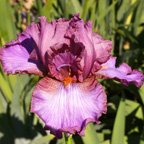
(15, 58)
(82, 33)
(23, 55)
(51, 34)
(64, 65)
(63, 59)
(60, 64)
(123, 73)
(32, 32)
(46, 35)
(68, 109)
(30, 39)
(63, 55)
(102, 48)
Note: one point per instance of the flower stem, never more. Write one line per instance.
(67, 139)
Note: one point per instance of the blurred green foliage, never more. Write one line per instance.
(122, 21)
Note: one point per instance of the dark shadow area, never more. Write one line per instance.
(12, 128)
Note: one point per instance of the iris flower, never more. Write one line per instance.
(70, 58)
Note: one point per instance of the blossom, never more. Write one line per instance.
(70, 58)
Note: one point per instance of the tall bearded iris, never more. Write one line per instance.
(70, 58)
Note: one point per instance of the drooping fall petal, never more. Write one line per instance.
(16, 57)
(123, 73)
(70, 108)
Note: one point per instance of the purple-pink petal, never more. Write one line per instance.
(51, 34)
(70, 108)
(102, 48)
(61, 63)
(123, 73)
(15, 58)
(82, 33)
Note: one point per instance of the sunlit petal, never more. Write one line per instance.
(123, 73)
(69, 108)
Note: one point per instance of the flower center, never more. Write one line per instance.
(67, 81)
(104, 67)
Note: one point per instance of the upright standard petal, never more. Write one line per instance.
(102, 48)
(82, 33)
(123, 73)
(51, 34)
(68, 108)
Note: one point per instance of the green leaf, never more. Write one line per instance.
(132, 106)
(17, 103)
(39, 6)
(141, 92)
(77, 6)
(142, 138)
(7, 27)
(90, 135)
(5, 88)
(2, 108)
(67, 139)
(43, 140)
(106, 142)
(48, 9)
(119, 125)
(104, 10)
(12, 81)
(138, 17)
(86, 6)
